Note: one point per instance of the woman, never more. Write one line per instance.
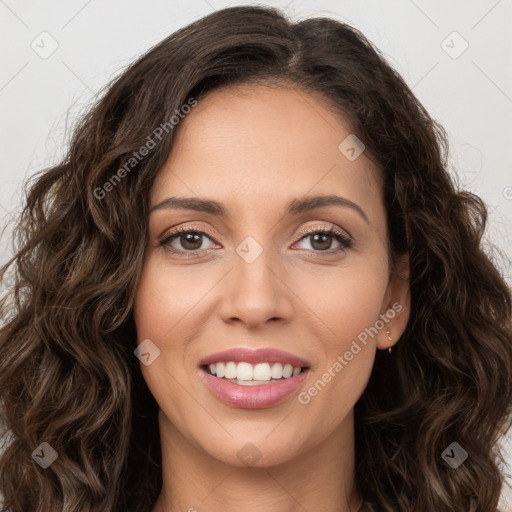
(252, 285)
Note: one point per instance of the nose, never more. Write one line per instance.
(256, 293)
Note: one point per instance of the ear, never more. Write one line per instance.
(396, 305)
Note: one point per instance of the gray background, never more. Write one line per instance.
(469, 92)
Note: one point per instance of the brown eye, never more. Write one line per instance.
(188, 240)
(321, 240)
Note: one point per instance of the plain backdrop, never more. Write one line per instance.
(456, 56)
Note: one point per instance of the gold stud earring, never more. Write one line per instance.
(390, 339)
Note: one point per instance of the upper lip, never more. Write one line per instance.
(254, 356)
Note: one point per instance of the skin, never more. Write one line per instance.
(255, 148)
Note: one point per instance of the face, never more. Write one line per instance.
(265, 273)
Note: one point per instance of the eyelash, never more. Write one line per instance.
(343, 239)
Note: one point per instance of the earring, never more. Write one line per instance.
(390, 339)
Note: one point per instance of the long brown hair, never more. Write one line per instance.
(68, 374)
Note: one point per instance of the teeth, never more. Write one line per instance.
(230, 371)
(252, 382)
(251, 375)
(287, 371)
(262, 371)
(217, 369)
(277, 371)
(244, 371)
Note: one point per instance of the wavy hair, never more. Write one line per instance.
(68, 374)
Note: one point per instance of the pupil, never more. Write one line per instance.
(189, 239)
(316, 239)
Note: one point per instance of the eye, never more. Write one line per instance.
(190, 240)
(321, 239)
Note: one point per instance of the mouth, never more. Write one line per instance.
(253, 379)
(247, 374)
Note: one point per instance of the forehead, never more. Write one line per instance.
(246, 144)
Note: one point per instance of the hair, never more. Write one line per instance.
(68, 374)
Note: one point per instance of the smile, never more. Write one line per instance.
(252, 374)
(253, 379)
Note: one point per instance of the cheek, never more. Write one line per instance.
(163, 313)
(357, 304)
(346, 300)
(166, 298)
(348, 305)
(168, 301)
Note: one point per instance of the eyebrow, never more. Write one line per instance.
(296, 206)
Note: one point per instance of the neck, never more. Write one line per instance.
(321, 477)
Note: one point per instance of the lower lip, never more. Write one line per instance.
(253, 397)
